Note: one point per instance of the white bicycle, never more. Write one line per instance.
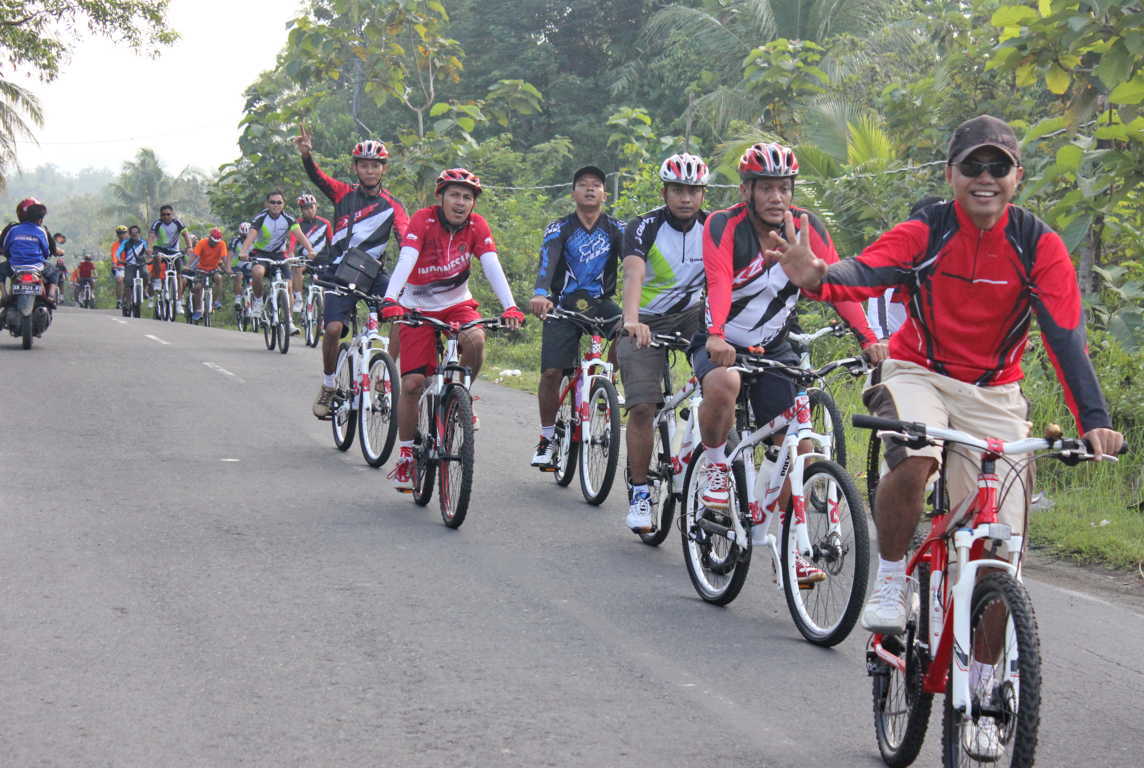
(312, 307)
(275, 318)
(167, 302)
(824, 530)
(367, 388)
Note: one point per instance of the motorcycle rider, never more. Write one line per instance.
(28, 244)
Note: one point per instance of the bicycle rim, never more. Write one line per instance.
(826, 612)
(309, 325)
(827, 420)
(660, 477)
(424, 446)
(564, 433)
(455, 469)
(283, 322)
(1008, 696)
(716, 565)
(600, 453)
(378, 422)
(342, 420)
(269, 337)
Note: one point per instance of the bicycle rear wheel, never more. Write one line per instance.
(239, 318)
(901, 706)
(424, 452)
(601, 453)
(458, 456)
(660, 479)
(826, 611)
(342, 420)
(567, 446)
(827, 420)
(716, 563)
(283, 331)
(378, 422)
(1006, 702)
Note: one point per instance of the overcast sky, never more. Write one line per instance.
(108, 102)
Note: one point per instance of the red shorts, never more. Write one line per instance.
(419, 343)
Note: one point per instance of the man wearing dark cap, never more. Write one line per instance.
(972, 272)
(579, 258)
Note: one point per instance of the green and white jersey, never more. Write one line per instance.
(272, 232)
(673, 251)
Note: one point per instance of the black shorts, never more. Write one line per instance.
(770, 394)
(338, 307)
(560, 339)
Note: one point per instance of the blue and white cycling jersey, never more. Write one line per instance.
(132, 252)
(573, 258)
(26, 245)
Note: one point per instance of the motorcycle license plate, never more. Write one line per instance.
(25, 288)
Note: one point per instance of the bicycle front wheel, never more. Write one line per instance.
(378, 422)
(458, 456)
(827, 420)
(901, 705)
(342, 420)
(1002, 728)
(716, 563)
(310, 324)
(660, 480)
(283, 322)
(269, 333)
(567, 446)
(600, 453)
(873, 467)
(425, 450)
(825, 605)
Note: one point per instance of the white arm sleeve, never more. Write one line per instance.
(406, 260)
(490, 263)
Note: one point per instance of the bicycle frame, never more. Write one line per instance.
(592, 365)
(170, 278)
(688, 393)
(362, 393)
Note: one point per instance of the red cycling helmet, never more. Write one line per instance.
(215, 235)
(460, 176)
(25, 209)
(305, 199)
(370, 149)
(768, 161)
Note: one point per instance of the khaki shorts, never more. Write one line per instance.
(909, 392)
(641, 370)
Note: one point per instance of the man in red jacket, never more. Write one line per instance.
(972, 272)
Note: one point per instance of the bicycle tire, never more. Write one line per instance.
(283, 322)
(661, 479)
(309, 325)
(598, 465)
(827, 420)
(342, 421)
(377, 443)
(240, 319)
(1018, 697)
(719, 579)
(873, 468)
(319, 317)
(898, 694)
(458, 457)
(269, 336)
(819, 621)
(567, 452)
(424, 444)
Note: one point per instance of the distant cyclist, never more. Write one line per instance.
(663, 293)
(267, 239)
(133, 254)
(365, 216)
(579, 259)
(317, 230)
(117, 264)
(241, 266)
(209, 256)
(163, 239)
(432, 277)
(85, 275)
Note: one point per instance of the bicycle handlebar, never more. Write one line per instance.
(560, 313)
(414, 319)
(755, 365)
(347, 290)
(837, 329)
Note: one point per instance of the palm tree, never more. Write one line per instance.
(140, 189)
(18, 106)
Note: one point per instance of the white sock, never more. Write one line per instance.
(298, 295)
(328, 380)
(716, 455)
(891, 567)
(548, 432)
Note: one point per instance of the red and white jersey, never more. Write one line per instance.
(440, 277)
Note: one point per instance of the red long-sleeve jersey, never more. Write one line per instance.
(970, 296)
(749, 301)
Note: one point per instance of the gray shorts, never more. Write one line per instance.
(641, 370)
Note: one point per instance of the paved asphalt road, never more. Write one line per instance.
(191, 575)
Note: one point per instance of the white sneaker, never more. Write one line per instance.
(544, 451)
(885, 611)
(716, 485)
(297, 307)
(639, 513)
(256, 306)
(981, 740)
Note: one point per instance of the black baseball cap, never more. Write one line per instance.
(983, 131)
(590, 170)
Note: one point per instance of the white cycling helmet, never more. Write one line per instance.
(685, 169)
(244, 228)
(305, 199)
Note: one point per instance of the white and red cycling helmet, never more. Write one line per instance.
(370, 149)
(462, 176)
(684, 168)
(768, 160)
(244, 228)
(305, 199)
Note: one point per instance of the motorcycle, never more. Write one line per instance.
(28, 312)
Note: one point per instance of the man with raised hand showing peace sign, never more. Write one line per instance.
(365, 214)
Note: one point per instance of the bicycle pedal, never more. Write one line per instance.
(806, 586)
(405, 490)
(548, 468)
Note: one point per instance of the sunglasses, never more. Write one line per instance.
(998, 169)
(276, 202)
